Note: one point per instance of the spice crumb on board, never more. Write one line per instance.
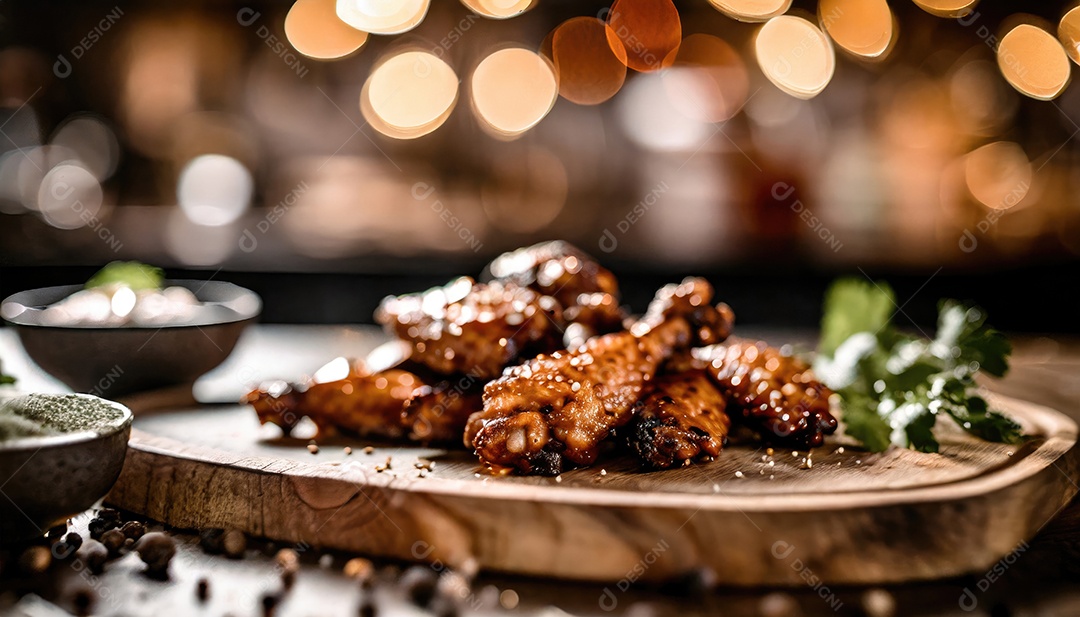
(840, 450)
(313, 448)
(369, 450)
(558, 479)
(348, 451)
(769, 451)
(603, 472)
(738, 474)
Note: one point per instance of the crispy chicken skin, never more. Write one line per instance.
(557, 269)
(681, 419)
(552, 412)
(474, 328)
(772, 393)
(438, 413)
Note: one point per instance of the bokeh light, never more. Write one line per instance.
(861, 27)
(69, 196)
(499, 9)
(795, 56)
(198, 245)
(409, 94)
(651, 119)
(947, 8)
(588, 69)
(214, 190)
(752, 10)
(998, 175)
(512, 90)
(1069, 33)
(92, 141)
(382, 16)
(313, 28)
(982, 102)
(1034, 62)
(648, 31)
(709, 81)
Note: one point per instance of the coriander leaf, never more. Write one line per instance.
(920, 432)
(853, 306)
(130, 273)
(976, 418)
(964, 336)
(862, 422)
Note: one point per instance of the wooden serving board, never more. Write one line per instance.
(852, 518)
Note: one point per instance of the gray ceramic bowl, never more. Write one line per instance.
(114, 361)
(45, 480)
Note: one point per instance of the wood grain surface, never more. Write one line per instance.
(852, 518)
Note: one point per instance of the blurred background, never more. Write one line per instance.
(195, 136)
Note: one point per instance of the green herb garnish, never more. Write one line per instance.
(128, 273)
(893, 386)
(5, 379)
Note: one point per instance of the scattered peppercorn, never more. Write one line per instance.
(210, 541)
(95, 555)
(109, 514)
(360, 569)
(83, 601)
(234, 543)
(202, 589)
(313, 448)
(156, 550)
(270, 602)
(113, 540)
(133, 530)
(73, 539)
(419, 583)
(98, 526)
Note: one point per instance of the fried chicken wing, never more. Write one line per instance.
(474, 328)
(553, 411)
(681, 419)
(773, 393)
(587, 292)
(365, 404)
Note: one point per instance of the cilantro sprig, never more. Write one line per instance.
(894, 386)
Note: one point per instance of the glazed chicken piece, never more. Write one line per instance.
(552, 412)
(771, 392)
(587, 292)
(438, 413)
(473, 328)
(681, 419)
(391, 403)
(358, 402)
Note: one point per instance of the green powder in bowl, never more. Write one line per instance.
(52, 414)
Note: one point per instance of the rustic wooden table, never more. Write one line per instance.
(1038, 580)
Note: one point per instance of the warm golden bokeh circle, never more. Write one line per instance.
(409, 95)
(751, 10)
(313, 28)
(648, 31)
(1034, 62)
(795, 55)
(861, 27)
(1069, 33)
(588, 69)
(947, 8)
(998, 175)
(499, 9)
(512, 90)
(382, 16)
